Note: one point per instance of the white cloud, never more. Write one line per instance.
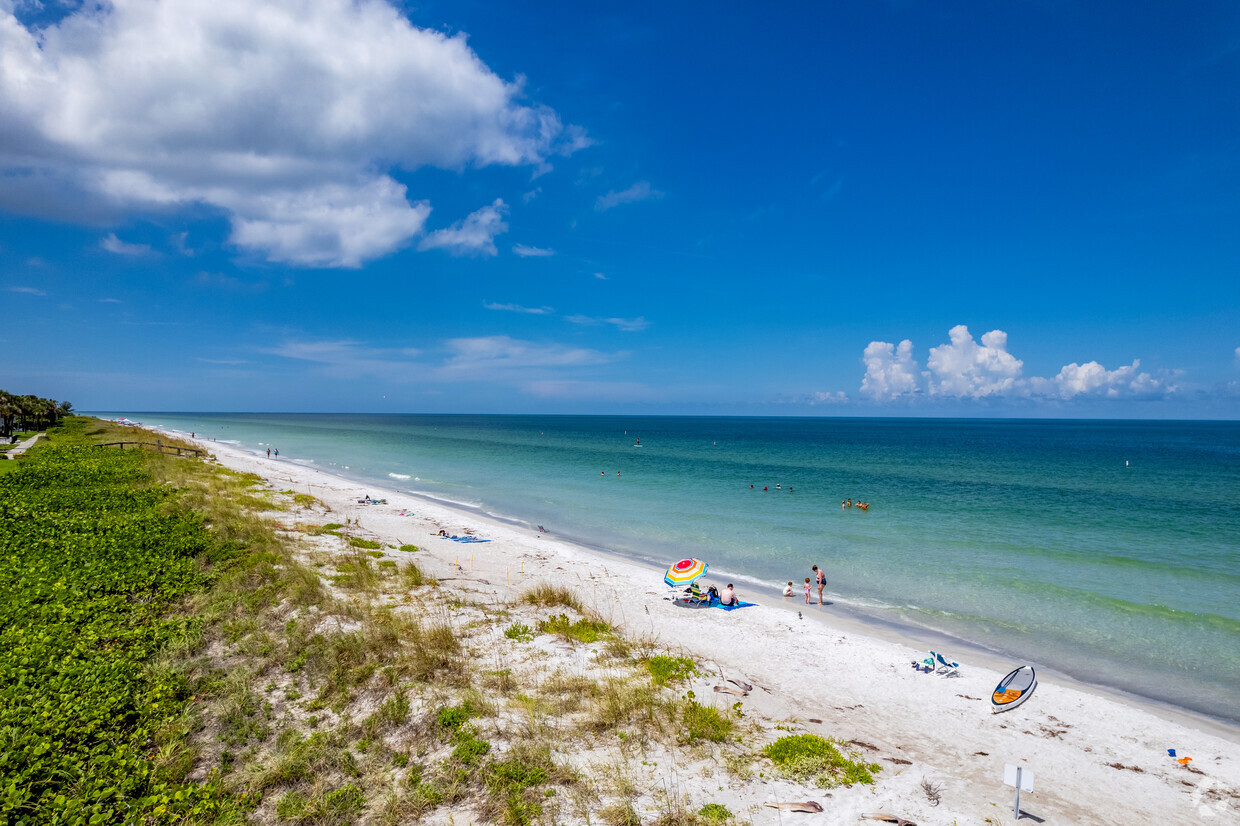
(116, 245)
(531, 252)
(472, 235)
(27, 290)
(517, 308)
(890, 371)
(963, 368)
(838, 397)
(628, 325)
(483, 356)
(1238, 354)
(639, 191)
(110, 301)
(601, 277)
(284, 116)
(1092, 379)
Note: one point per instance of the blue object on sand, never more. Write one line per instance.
(739, 604)
(1171, 752)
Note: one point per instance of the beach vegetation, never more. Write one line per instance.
(665, 669)
(702, 722)
(411, 576)
(368, 544)
(821, 760)
(715, 813)
(519, 631)
(548, 595)
(583, 630)
(331, 529)
(410, 549)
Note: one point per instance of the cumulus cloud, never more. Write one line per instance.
(890, 371)
(116, 245)
(473, 234)
(639, 191)
(531, 252)
(285, 117)
(965, 368)
(1092, 379)
(517, 308)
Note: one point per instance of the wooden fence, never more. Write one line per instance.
(159, 446)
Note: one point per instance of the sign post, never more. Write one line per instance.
(1021, 778)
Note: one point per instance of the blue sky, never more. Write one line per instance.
(846, 208)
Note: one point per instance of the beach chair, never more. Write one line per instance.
(692, 595)
(946, 669)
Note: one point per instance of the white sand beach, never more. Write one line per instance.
(1097, 758)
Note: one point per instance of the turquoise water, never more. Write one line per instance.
(1109, 551)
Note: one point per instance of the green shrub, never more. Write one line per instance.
(358, 542)
(705, 723)
(583, 630)
(664, 670)
(410, 549)
(519, 632)
(715, 813)
(808, 757)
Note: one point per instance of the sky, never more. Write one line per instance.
(851, 208)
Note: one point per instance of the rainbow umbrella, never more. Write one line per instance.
(684, 572)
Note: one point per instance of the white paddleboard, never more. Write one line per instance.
(1014, 689)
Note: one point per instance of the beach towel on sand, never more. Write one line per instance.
(739, 604)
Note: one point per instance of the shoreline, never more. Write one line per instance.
(851, 616)
(1099, 757)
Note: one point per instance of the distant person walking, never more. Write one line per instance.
(268, 453)
(820, 579)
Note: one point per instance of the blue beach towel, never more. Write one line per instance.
(468, 539)
(739, 604)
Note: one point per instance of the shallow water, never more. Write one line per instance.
(1106, 550)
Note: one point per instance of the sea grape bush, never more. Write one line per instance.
(92, 560)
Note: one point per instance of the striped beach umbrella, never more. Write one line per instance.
(684, 572)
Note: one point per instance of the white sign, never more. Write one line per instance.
(1012, 773)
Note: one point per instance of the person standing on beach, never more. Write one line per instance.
(268, 453)
(807, 590)
(820, 580)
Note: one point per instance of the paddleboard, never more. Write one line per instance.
(1014, 689)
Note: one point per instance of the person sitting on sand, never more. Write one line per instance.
(728, 597)
(788, 589)
(442, 532)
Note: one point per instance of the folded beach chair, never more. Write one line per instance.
(947, 669)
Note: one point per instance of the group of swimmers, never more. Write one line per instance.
(777, 487)
(848, 503)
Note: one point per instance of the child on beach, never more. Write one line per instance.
(807, 590)
(788, 589)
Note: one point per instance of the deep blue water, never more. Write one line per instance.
(1106, 550)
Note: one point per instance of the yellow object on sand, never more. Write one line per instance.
(1007, 696)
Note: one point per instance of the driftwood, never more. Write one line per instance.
(807, 806)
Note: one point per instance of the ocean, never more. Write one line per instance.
(1105, 550)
